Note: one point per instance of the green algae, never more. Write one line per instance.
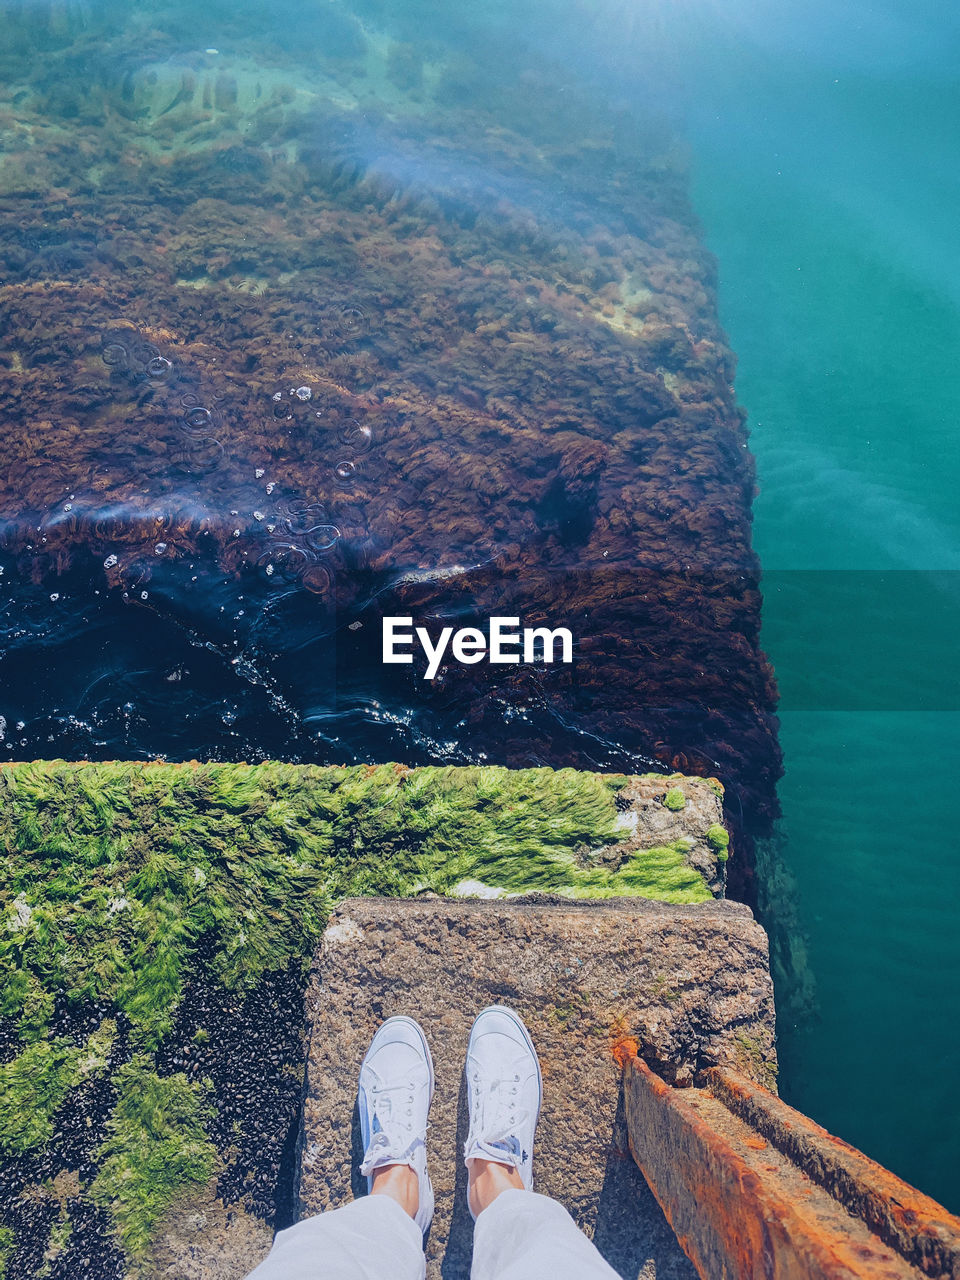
(32, 1087)
(755, 1057)
(156, 1148)
(718, 837)
(112, 875)
(675, 799)
(60, 1234)
(37, 1081)
(7, 1245)
(661, 872)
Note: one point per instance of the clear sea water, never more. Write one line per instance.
(826, 142)
(823, 141)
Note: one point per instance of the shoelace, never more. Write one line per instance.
(392, 1127)
(495, 1114)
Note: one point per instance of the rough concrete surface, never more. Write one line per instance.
(689, 982)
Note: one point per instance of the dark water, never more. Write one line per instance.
(467, 233)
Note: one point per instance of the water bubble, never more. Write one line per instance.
(114, 354)
(145, 352)
(68, 506)
(197, 420)
(281, 411)
(198, 456)
(160, 548)
(269, 570)
(110, 562)
(323, 537)
(308, 521)
(55, 596)
(277, 395)
(299, 515)
(144, 595)
(189, 399)
(357, 436)
(158, 367)
(258, 515)
(345, 471)
(288, 560)
(303, 393)
(351, 320)
(317, 579)
(236, 533)
(259, 473)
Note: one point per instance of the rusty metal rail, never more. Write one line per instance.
(756, 1191)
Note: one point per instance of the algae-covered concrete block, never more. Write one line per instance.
(689, 983)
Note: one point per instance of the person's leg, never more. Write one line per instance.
(525, 1236)
(370, 1239)
(380, 1235)
(519, 1235)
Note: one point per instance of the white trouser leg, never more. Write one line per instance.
(525, 1236)
(369, 1239)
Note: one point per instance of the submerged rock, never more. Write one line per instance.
(519, 404)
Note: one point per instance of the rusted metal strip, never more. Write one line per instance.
(746, 1206)
(913, 1224)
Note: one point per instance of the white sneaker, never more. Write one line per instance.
(396, 1088)
(504, 1089)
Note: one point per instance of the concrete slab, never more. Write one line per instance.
(690, 983)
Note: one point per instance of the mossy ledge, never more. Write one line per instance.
(153, 916)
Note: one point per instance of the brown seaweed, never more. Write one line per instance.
(451, 370)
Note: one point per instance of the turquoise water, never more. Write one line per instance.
(825, 154)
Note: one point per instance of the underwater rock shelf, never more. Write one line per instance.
(309, 331)
(157, 923)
